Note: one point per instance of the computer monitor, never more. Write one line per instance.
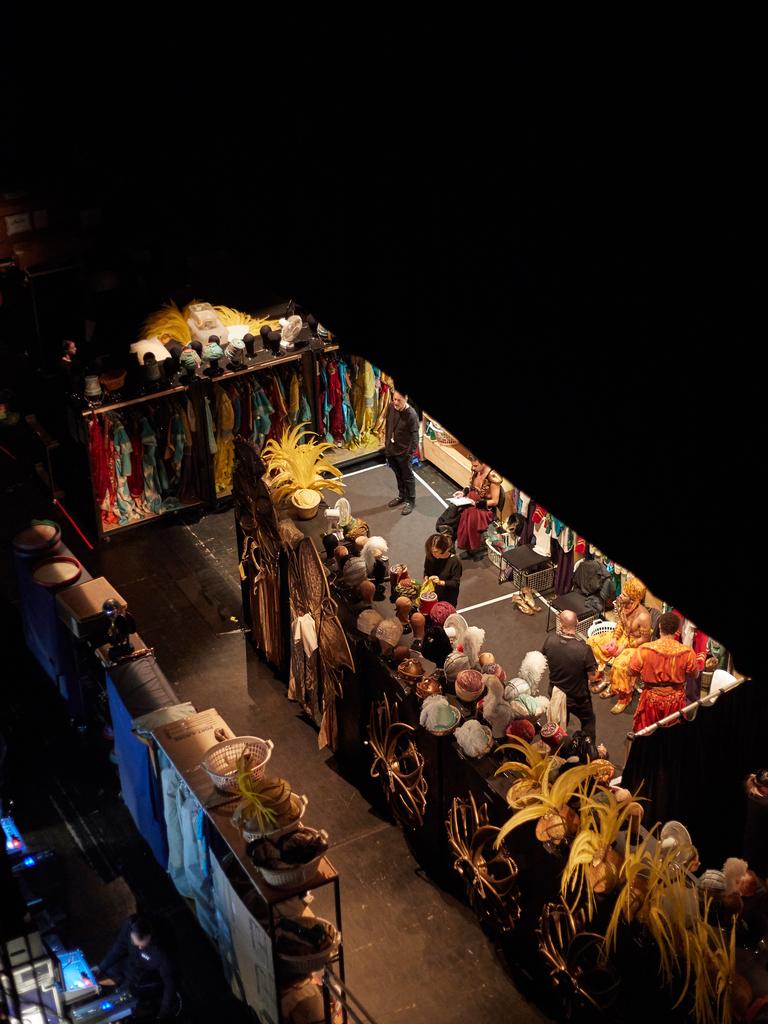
(78, 981)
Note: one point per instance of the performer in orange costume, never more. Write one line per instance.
(663, 666)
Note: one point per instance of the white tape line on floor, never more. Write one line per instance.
(381, 465)
(484, 604)
(431, 491)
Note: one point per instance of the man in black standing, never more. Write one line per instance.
(401, 441)
(572, 667)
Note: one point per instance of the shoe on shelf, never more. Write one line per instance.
(395, 502)
(406, 509)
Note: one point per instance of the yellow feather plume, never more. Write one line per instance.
(551, 799)
(168, 324)
(297, 462)
(229, 317)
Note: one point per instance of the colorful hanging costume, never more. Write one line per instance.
(224, 459)
(363, 396)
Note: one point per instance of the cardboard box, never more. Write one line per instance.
(80, 607)
(187, 741)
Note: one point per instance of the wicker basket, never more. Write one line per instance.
(494, 555)
(278, 833)
(600, 627)
(290, 878)
(219, 760)
(305, 503)
(309, 962)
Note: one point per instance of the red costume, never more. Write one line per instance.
(663, 666)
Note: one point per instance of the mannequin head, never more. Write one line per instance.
(366, 591)
(418, 624)
(403, 609)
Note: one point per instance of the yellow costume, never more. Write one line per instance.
(363, 397)
(224, 459)
(632, 630)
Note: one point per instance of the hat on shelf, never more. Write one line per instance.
(212, 350)
(372, 548)
(368, 621)
(456, 626)
(189, 360)
(354, 571)
(291, 329)
(92, 386)
(675, 839)
(389, 631)
(235, 352)
(494, 669)
(474, 739)
(521, 728)
(469, 684)
(605, 770)
(112, 380)
(713, 881)
(441, 611)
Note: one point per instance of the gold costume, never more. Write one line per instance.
(632, 630)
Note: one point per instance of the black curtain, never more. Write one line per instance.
(694, 772)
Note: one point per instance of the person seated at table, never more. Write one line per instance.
(484, 492)
(616, 648)
(443, 568)
(663, 665)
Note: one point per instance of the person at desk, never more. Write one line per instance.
(136, 960)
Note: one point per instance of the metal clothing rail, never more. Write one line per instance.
(687, 713)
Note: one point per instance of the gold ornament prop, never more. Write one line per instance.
(490, 874)
(399, 765)
(578, 967)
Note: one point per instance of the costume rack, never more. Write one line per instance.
(162, 481)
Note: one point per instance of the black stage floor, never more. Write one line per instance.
(413, 952)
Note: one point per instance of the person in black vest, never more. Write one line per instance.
(572, 667)
(139, 962)
(400, 442)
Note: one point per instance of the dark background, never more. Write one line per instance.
(557, 250)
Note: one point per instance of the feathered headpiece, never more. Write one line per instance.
(532, 669)
(373, 546)
(472, 642)
(168, 324)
